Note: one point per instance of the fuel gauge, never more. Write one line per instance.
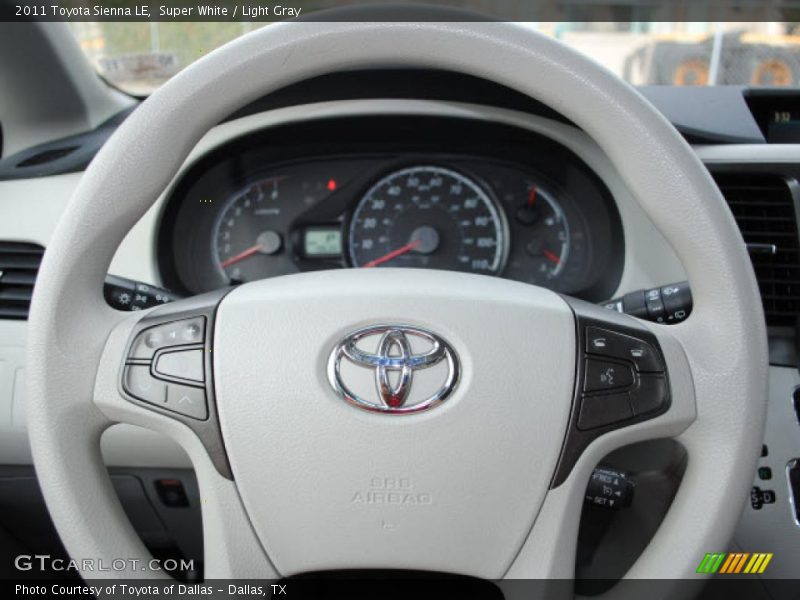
(544, 233)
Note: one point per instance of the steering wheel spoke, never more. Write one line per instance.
(633, 383)
(148, 365)
(157, 371)
(653, 398)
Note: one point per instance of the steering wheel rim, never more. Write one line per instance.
(722, 345)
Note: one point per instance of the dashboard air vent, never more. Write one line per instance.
(19, 263)
(763, 206)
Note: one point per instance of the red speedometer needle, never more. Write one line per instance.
(552, 257)
(241, 256)
(393, 254)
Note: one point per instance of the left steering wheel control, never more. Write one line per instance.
(167, 368)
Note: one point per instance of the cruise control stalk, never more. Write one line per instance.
(610, 488)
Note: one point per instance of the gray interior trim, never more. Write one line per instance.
(715, 113)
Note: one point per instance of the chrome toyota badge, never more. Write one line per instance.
(395, 369)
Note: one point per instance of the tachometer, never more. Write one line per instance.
(248, 231)
(429, 217)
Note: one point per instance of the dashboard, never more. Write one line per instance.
(392, 191)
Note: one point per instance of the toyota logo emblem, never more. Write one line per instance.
(380, 368)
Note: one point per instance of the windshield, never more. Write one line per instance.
(138, 57)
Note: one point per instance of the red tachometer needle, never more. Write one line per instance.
(393, 254)
(552, 257)
(241, 256)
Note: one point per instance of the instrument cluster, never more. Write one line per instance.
(477, 200)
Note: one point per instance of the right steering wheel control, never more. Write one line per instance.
(622, 379)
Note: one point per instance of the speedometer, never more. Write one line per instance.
(428, 217)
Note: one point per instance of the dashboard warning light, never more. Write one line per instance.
(331, 184)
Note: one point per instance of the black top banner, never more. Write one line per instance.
(380, 10)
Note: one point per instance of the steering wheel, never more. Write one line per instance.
(488, 479)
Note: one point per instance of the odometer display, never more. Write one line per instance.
(322, 242)
(428, 217)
